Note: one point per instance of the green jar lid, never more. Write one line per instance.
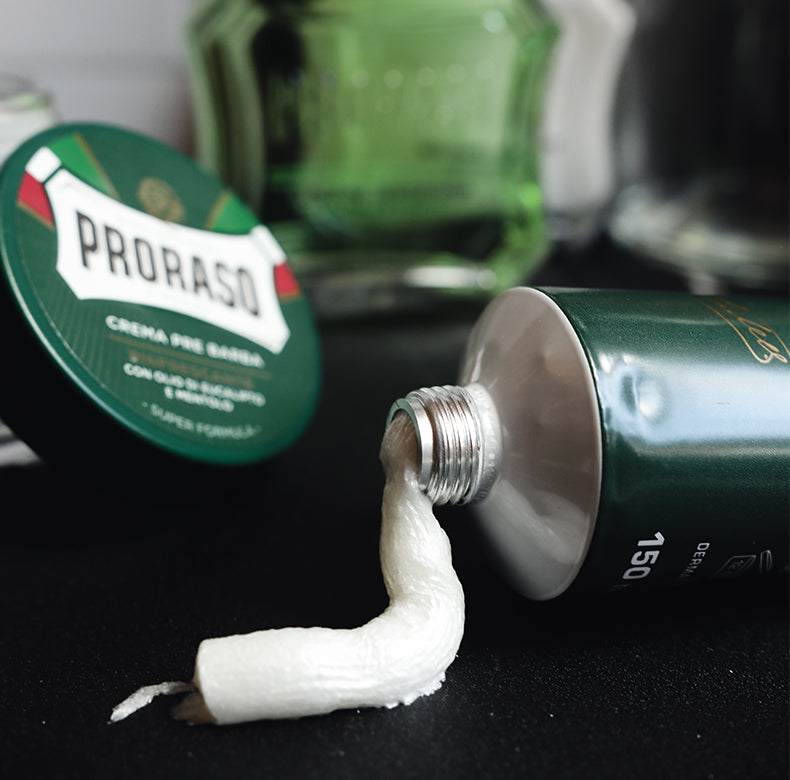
(145, 312)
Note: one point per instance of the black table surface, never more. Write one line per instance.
(102, 593)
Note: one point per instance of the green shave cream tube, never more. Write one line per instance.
(614, 440)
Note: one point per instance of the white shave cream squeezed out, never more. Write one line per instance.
(395, 658)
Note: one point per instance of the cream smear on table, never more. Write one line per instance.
(395, 658)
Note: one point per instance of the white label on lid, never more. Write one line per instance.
(110, 251)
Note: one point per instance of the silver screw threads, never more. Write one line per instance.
(457, 436)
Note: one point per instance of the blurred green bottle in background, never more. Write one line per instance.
(391, 147)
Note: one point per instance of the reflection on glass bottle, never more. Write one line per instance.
(400, 145)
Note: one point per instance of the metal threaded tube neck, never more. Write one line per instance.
(457, 460)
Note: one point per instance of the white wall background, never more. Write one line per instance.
(119, 61)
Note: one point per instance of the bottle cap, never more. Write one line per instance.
(146, 314)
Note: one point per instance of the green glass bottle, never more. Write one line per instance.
(400, 143)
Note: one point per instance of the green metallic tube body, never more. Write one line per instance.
(693, 471)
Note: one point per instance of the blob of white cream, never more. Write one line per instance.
(395, 658)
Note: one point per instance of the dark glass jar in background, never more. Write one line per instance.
(702, 139)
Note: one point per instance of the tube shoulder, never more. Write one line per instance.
(541, 511)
